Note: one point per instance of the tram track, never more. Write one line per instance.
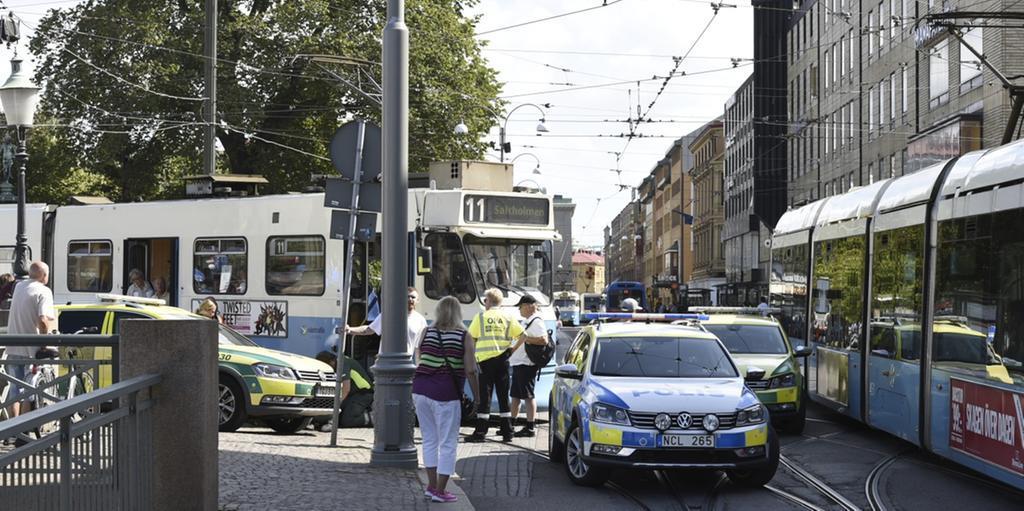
(817, 484)
(872, 489)
(706, 500)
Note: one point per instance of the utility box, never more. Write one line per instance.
(223, 185)
(471, 175)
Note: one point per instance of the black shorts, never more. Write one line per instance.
(524, 378)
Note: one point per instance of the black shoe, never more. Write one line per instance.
(524, 433)
(506, 437)
(475, 438)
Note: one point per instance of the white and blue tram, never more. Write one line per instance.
(911, 291)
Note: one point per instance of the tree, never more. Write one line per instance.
(123, 82)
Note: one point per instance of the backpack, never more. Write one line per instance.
(540, 355)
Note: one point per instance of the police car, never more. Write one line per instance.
(759, 346)
(645, 395)
(284, 390)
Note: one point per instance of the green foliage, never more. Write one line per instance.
(119, 77)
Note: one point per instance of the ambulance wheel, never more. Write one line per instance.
(230, 404)
(578, 470)
(759, 476)
(289, 425)
(556, 449)
(795, 425)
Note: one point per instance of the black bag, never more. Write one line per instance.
(539, 355)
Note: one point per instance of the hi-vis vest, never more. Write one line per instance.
(494, 333)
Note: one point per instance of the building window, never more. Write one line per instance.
(881, 104)
(903, 89)
(828, 69)
(296, 265)
(879, 27)
(970, 65)
(871, 33)
(871, 173)
(840, 58)
(220, 266)
(892, 165)
(892, 97)
(938, 74)
(871, 110)
(90, 265)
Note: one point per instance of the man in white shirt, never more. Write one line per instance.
(524, 372)
(416, 323)
(31, 313)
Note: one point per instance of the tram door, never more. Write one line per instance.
(157, 259)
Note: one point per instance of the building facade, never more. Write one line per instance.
(873, 94)
(562, 249)
(708, 209)
(588, 268)
(622, 245)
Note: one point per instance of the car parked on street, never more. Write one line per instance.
(283, 390)
(654, 396)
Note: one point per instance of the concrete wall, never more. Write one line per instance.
(184, 415)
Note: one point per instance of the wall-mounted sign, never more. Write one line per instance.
(487, 209)
(985, 422)
(255, 317)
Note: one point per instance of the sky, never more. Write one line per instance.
(594, 68)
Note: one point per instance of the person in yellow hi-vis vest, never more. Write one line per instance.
(496, 336)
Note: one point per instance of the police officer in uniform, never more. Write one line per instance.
(494, 333)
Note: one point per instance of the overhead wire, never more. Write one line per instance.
(605, 3)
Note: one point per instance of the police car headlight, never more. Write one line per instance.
(274, 371)
(752, 415)
(601, 412)
(786, 380)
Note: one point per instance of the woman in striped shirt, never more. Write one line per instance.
(445, 358)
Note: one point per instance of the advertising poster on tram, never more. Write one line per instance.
(985, 422)
(262, 318)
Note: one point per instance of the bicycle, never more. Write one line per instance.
(44, 376)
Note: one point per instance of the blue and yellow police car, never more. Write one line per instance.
(637, 394)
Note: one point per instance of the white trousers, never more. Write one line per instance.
(439, 427)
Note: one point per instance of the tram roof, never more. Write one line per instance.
(911, 189)
(986, 168)
(799, 219)
(857, 203)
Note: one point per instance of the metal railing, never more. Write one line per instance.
(45, 383)
(98, 457)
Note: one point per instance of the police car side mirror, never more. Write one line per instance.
(755, 373)
(568, 371)
(802, 351)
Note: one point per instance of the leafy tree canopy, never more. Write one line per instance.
(122, 81)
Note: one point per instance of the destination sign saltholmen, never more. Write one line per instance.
(489, 209)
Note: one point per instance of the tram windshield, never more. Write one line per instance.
(566, 303)
(754, 339)
(518, 266)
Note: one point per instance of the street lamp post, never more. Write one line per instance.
(462, 129)
(19, 97)
(536, 170)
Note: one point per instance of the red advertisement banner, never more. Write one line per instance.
(985, 422)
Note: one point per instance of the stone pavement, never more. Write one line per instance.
(263, 470)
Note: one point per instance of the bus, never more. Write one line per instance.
(567, 303)
(592, 302)
(620, 290)
(909, 292)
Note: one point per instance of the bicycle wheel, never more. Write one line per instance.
(81, 384)
(43, 381)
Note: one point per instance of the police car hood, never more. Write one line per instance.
(701, 395)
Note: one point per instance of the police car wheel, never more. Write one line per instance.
(289, 425)
(578, 470)
(556, 449)
(230, 404)
(761, 475)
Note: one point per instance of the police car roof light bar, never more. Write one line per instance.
(742, 311)
(642, 316)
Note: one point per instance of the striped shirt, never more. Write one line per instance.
(440, 374)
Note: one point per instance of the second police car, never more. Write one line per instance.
(653, 396)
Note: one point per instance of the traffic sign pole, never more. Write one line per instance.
(346, 285)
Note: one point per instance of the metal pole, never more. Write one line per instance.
(346, 283)
(21, 240)
(210, 115)
(501, 140)
(392, 412)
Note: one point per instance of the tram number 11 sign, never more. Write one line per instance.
(985, 422)
(491, 209)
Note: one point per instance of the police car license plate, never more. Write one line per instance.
(697, 441)
(321, 391)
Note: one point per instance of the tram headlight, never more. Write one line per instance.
(751, 415)
(785, 380)
(601, 412)
(274, 371)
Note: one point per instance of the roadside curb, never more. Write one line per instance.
(463, 504)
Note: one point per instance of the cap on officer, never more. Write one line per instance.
(526, 300)
(630, 305)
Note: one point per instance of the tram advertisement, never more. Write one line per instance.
(262, 318)
(986, 423)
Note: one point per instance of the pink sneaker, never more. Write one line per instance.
(429, 492)
(444, 496)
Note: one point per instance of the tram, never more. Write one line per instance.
(567, 303)
(911, 293)
(272, 265)
(620, 290)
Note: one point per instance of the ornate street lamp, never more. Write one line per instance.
(503, 145)
(19, 97)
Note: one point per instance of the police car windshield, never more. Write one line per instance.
(756, 339)
(229, 337)
(661, 357)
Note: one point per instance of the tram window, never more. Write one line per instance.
(220, 266)
(295, 265)
(90, 265)
(449, 273)
(839, 273)
(883, 343)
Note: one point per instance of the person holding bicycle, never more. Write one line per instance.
(32, 313)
